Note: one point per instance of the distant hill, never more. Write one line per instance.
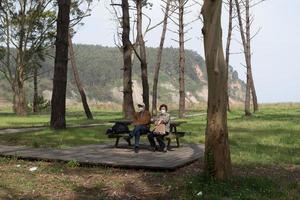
(100, 70)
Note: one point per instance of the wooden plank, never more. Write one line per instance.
(108, 156)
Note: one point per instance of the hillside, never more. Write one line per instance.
(100, 70)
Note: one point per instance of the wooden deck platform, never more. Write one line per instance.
(107, 155)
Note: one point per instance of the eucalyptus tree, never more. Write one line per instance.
(217, 151)
(28, 30)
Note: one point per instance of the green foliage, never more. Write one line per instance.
(42, 104)
(73, 164)
(35, 144)
(100, 70)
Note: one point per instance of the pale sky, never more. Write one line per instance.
(275, 49)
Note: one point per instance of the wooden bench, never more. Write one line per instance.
(174, 134)
(117, 137)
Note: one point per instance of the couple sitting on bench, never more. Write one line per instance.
(142, 120)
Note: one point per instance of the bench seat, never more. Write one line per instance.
(168, 138)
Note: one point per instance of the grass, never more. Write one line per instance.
(202, 187)
(264, 150)
(10, 120)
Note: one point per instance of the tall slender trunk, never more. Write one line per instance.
(228, 43)
(253, 92)
(35, 91)
(246, 47)
(181, 61)
(7, 20)
(143, 56)
(158, 59)
(80, 88)
(247, 97)
(248, 38)
(58, 102)
(128, 108)
(217, 151)
(20, 104)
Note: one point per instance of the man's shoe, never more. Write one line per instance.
(153, 149)
(136, 149)
(164, 149)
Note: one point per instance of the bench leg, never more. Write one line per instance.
(177, 140)
(129, 142)
(117, 142)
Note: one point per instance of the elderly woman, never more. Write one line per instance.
(162, 128)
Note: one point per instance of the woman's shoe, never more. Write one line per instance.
(153, 149)
(163, 149)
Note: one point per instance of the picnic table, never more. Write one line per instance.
(173, 134)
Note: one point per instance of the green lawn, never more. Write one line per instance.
(10, 120)
(265, 152)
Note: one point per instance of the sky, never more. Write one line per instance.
(275, 49)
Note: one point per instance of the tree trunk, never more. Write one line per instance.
(143, 56)
(19, 103)
(85, 104)
(253, 91)
(247, 52)
(128, 108)
(58, 102)
(247, 98)
(247, 59)
(158, 59)
(248, 36)
(35, 91)
(228, 43)
(217, 152)
(181, 61)
(7, 19)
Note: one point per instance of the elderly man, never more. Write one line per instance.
(141, 121)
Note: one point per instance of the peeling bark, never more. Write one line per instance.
(217, 152)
